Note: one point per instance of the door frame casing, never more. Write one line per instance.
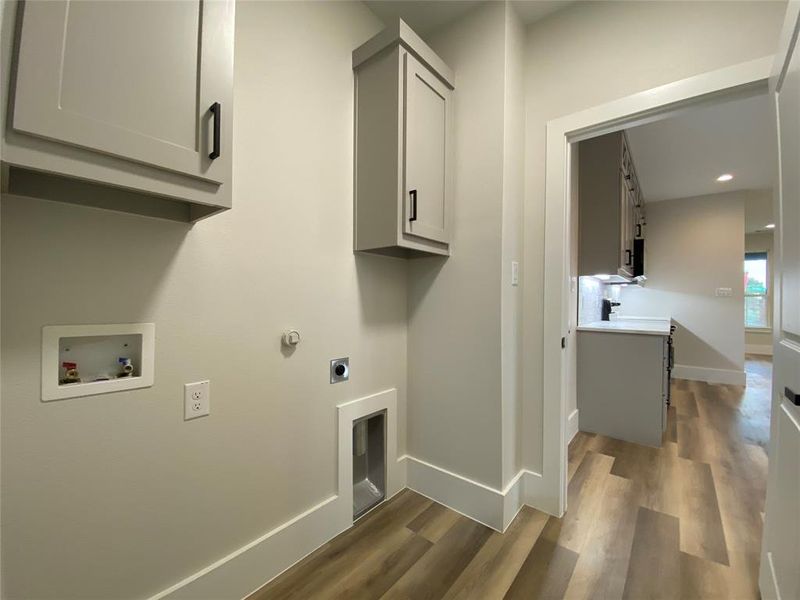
(736, 81)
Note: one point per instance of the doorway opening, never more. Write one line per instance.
(660, 218)
(740, 82)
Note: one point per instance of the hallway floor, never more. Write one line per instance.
(682, 521)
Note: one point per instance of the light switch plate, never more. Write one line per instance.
(196, 399)
(514, 272)
(724, 292)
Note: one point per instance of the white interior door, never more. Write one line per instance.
(135, 80)
(426, 123)
(780, 560)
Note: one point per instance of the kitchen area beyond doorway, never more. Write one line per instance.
(665, 216)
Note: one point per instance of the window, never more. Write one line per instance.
(756, 291)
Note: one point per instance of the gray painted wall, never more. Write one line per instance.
(454, 306)
(76, 470)
(694, 246)
(96, 490)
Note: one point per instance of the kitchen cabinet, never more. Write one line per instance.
(611, 209)
(666, 380)
(623, 381)
(130, 102)
(403, 146)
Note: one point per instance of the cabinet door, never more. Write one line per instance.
(631, 225)
(427, 108)
(627, 228)
(665, 386)
(638, 221)
(136, 80)
(625, 159)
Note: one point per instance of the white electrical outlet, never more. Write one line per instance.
(196, 399)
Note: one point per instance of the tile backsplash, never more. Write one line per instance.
(590, 299)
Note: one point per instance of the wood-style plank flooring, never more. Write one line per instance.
(682, 521)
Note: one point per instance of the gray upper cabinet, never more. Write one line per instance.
(135, 96)
(611, 208)
(403, 164)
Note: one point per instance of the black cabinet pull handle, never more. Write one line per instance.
(413, 211)
(628, 255)
(795, 398)
(216, 113)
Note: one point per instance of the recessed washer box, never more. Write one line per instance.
(99, 353)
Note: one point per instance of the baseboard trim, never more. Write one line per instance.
(255, 564)
(767, 579)
(244, 570)
(479, 502)
(572, 425)
(728, 376)
(252, 566)
(760, 349)
(493, 507)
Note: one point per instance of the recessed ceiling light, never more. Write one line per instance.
(770, 226)
(725, 177)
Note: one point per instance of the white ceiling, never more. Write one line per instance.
(758, 211)
(682, 156)
(425, 16)
(531, 11)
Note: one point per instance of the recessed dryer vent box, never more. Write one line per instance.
(369, 462)
(84, 360)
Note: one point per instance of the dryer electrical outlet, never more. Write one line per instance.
(340, 369)
(196, 399)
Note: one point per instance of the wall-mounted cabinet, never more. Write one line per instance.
(611, 209)
(403, 146)
(124, 105)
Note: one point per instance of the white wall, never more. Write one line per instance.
(594, 52)
(463, 340)
(694, 246)
(760, 342)
(116, 496)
